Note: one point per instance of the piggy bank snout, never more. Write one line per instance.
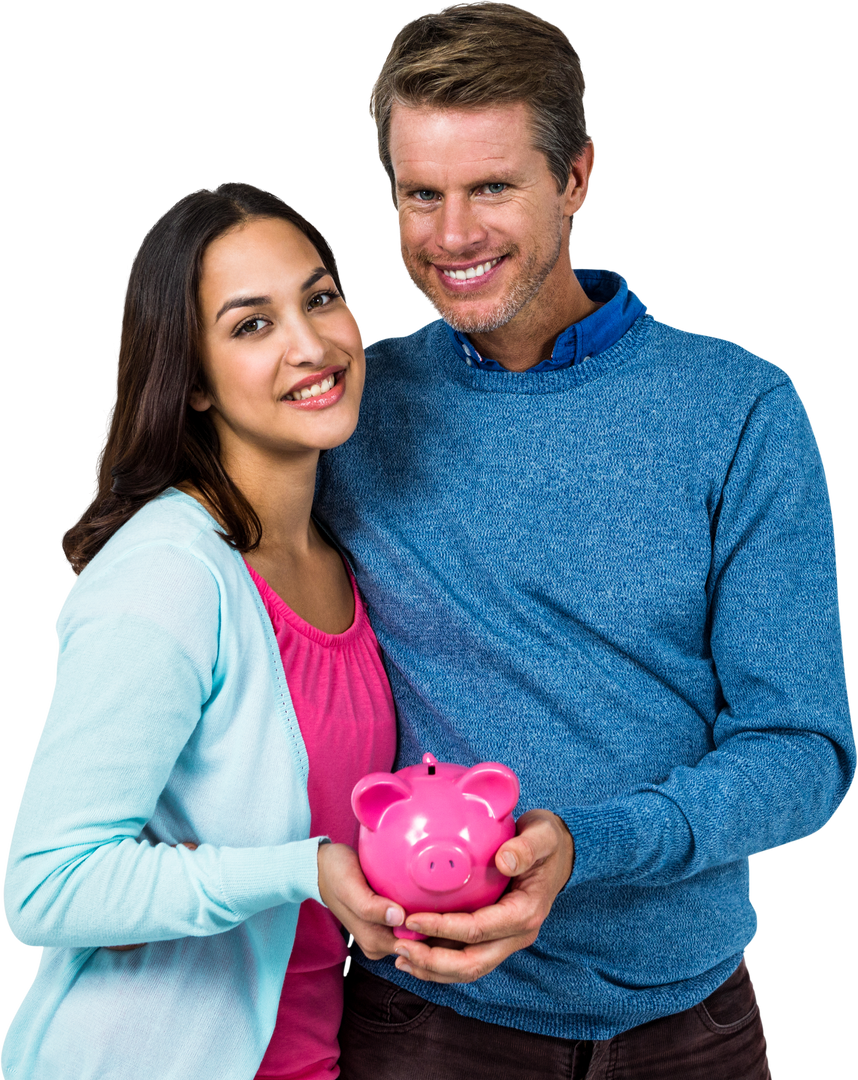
(441, 867)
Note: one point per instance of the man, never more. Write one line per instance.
(598, 550)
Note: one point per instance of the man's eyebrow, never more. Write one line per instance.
(491, 176)
(261, 301)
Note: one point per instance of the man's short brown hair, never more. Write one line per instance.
(477, 55)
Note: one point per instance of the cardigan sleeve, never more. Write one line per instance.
(783, 753)
(138, 645)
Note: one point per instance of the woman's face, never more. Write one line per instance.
(281, 353)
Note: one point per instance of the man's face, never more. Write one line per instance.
(481, 221)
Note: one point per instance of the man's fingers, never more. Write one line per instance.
(437, 964)
(543, 852)
(489, 936)
(518, 855)
(539, 859)
(537, 838)
(513, 915)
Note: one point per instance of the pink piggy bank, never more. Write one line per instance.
(429, 834)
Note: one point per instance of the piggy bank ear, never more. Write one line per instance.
(495, 784)
(372, 796)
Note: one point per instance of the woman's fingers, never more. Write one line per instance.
(365, 914)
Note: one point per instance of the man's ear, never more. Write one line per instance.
(579, 178)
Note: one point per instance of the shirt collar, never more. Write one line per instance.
(578, 342)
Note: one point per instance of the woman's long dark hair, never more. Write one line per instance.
(156, 439)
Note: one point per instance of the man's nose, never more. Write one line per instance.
(459, 227)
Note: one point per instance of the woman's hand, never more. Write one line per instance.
(127, 948)
(347, 895)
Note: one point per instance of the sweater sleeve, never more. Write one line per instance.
(783, 753)
(138, 645)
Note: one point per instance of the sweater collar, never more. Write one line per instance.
(578, 342)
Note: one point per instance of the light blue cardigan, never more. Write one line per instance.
(171, 722)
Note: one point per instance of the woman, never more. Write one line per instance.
(183, 785)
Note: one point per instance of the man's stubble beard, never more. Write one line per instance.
(523, 290)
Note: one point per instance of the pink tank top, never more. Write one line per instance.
(345, 711)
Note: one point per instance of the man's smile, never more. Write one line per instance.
(468, 277)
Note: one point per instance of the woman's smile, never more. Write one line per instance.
(317, 391)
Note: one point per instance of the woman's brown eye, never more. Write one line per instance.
(251, 326)
(321, 299)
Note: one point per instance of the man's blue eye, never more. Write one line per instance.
(425, 195)
(495, 189)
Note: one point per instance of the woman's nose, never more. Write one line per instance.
(303, 344)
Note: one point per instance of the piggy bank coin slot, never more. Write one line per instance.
(431, 770)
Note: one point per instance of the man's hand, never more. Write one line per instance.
(539, 858)
(347, 895)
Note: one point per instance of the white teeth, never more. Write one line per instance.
(471, 272)
(312, 391)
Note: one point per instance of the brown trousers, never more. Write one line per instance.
(391, 1034)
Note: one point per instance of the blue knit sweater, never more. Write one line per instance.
(618, 579)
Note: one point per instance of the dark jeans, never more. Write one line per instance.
(391, 1034)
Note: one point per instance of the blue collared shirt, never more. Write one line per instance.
(598, 332)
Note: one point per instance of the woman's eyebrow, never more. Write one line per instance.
(243, 301)
(318, 272)
(260, 301)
